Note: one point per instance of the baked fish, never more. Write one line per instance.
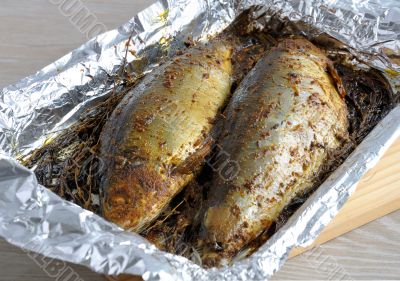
(285, 118)
(156, 139)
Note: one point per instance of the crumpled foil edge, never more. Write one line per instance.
(36, 219)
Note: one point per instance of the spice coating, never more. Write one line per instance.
(285, 118)
(156, 139)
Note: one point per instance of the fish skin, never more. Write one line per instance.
(283, 120)
(158, 136)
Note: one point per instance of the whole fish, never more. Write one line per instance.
(285, 118)
(156, 139)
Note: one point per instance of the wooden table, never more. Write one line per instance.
(34, 33)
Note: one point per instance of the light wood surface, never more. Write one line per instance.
(34, 33)
(377, 194)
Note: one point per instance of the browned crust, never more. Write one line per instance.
(224, 232)
(132, 195)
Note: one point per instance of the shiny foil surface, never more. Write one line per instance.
(33, 110)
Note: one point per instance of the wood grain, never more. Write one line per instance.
(17, 265)
(371, 252)
(34, 33)
(377, 194)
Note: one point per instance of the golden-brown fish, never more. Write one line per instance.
(287, 114)
(158, 136)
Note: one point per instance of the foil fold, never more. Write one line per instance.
(35, 109)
